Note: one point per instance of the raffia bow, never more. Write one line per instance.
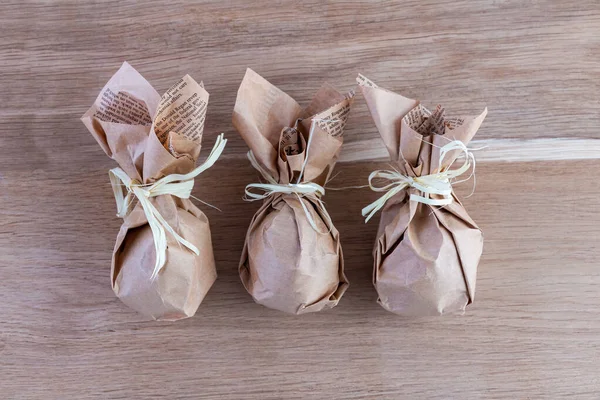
(439, 183)
(300, 189)
(179, 185)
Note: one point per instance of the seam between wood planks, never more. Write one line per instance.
(496, 150)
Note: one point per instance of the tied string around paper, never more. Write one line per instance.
(439, 183)
(179, 185)
(302, 190)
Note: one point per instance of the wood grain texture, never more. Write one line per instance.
(533, 330)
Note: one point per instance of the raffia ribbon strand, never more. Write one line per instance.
(299, 189)
(439, 183)
(179, 185)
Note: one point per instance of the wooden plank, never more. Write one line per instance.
(533, 65)
(532, 332)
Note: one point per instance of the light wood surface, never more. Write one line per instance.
(533, 331)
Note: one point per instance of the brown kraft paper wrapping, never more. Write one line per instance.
(150, 136)
(426, 256)
(286, 264)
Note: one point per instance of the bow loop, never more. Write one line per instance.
(179, 185)
(438, 183)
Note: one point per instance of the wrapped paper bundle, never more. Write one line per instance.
(292, 259)
(427, 246)
(162, 263)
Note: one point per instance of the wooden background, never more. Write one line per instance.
(534, 329)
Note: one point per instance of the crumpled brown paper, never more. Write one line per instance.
(426, 256)
(150, 136)
(286, 264)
